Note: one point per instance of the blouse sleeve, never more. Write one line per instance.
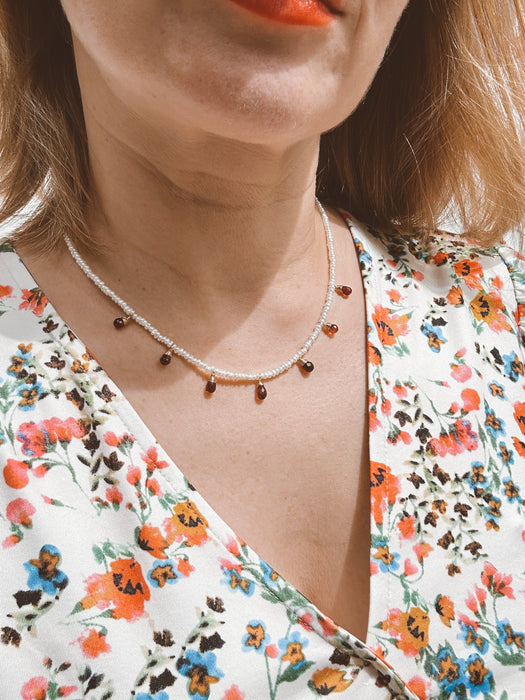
(515, 263)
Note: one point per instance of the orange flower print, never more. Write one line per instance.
(58, 430)
(395, 295)
(151, 540)
(10, 541)
(420, 687)
(15, 474)
(461, 373)
(460, 437)
(422, 550)
(490, 309)
(470, 271)
(389, 326)
(35, 688)
(33, 300)
(234, 693)
(152, 460)
(455, 296)
(440, 258)
(36, 438)
(519, 415)
(474, 601)
(93, 643)
(187, 523)
(409, 628)
(495, 582)
(5, 290)
(330, 680)
(384, 489)
(20, 511)
(374, 356)
(406, 527)
(445, 609)
(409, 568)
(184, 567)
(124, 587)
(471, 400)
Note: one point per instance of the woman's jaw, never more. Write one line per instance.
(229, 71)
(203, 136)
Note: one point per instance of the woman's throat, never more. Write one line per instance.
(314, 13)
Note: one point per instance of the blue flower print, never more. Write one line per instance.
(493, 511)
(450, 672)
(477, 476)
(44, 573)
(470, 636)
(29, 395)
(202, 671)
(237, 582)
(511, 490)
(478, 678)
(19, 361)
(364, 256)
(513, 366)
(508, 638)
(162, 572)
(435, 336)
(387, 561)
(506, 455)
(256, 637)
(497, 390)
(292, 648)
(495, 426)
(161, 695)
(270, 577)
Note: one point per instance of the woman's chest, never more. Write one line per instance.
(290, 476)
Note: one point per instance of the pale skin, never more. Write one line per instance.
(203, 140)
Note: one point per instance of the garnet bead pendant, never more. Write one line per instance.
(165, 359)
(330, 328)
(344, 290)
(261, 392)
(211, 384)
(121, 321)
(306, 365)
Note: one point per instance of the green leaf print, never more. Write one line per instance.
(292, 674)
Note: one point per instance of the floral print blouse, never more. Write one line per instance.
(120, 581)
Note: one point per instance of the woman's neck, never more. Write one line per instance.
(205, 216)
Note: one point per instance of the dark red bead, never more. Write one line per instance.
(119, 322)
(210, 386)
(307, 366)
(261, 392)
(330, 328)
(165, 359)
(345, 290)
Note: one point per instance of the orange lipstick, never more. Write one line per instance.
(314, 13)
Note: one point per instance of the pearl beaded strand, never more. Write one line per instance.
(214, 372)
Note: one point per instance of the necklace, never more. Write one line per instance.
(213, 372)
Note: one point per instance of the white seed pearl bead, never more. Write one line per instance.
(174, 349)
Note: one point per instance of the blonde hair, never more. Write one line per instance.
(439, 133)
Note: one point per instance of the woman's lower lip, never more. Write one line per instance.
(314, 13)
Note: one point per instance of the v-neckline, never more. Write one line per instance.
(174, 475)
